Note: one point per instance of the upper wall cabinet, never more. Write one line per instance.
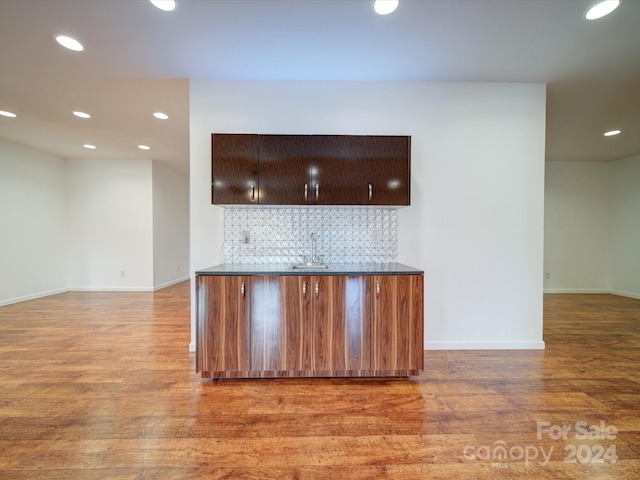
(388, 170)
(234, 169)
(310, 169)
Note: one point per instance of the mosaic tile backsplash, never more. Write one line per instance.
(283, 235)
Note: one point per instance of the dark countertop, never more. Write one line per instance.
(267, 269)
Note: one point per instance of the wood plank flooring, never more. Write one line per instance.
(101, 386)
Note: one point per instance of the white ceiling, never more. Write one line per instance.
(138, 60)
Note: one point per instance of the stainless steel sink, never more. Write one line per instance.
(313, 262)
(309, 266)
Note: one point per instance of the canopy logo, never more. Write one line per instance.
(500, 453)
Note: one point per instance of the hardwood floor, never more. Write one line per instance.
(100, 385)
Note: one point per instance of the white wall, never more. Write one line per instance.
(625, 227)
(78, 224)
(475, 224)
(592, 227)
(110, 225)
(170, 226)
(577, 227)
(33, 221)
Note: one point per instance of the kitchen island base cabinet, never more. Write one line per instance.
(397, 324)
(308, 326)
(222, 333)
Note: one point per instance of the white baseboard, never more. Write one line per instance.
(484, 345)
(110, 289)
(575, 290)
(625, 294)
(612, 292)
(33, 296)
(168, 284)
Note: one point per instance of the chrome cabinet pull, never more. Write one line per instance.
(317, 289)
(306, 192)
(370, 192)
(378, 287)
(304, 287)
(253, 192)
(242, 289)
(317, 191)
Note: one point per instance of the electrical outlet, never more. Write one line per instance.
(547, 275)
(244, 236)
(123, 273)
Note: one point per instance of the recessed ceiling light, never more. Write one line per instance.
(385, 7)
(144, 147)
(611, 133)
(161, 116)
(89, 146)
(82, 115)
(601, 9)
(7, 114)
(166, 5)
(70, 43)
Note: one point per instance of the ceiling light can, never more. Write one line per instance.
(165, 5)
(385, 7)
(611, 133)
(4, 113)
(70, 43)
(602, 9)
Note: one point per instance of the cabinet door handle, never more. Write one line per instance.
(370, 196)
(317, 191)
(304, 287)
(377, 287)
(317, 289)
(306, 192)
(253, 192)
(242, 289)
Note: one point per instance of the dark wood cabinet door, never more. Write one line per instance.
(310, 169)
(336, 169)
(298, 314)
(268, 324)
(341, 325)
(397, 323)
(234, 169)
(284, 170)
(222, 333)
(282, 311)
(387, 165)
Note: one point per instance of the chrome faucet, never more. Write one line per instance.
(313, 259)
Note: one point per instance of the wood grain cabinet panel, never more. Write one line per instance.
(222, 334)
(234, 169)
(336, 169)
(309, 325)
(284, 170)
(341, 338)
(268, 324)
(310, 169)
(397, 323)
(388, 170)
